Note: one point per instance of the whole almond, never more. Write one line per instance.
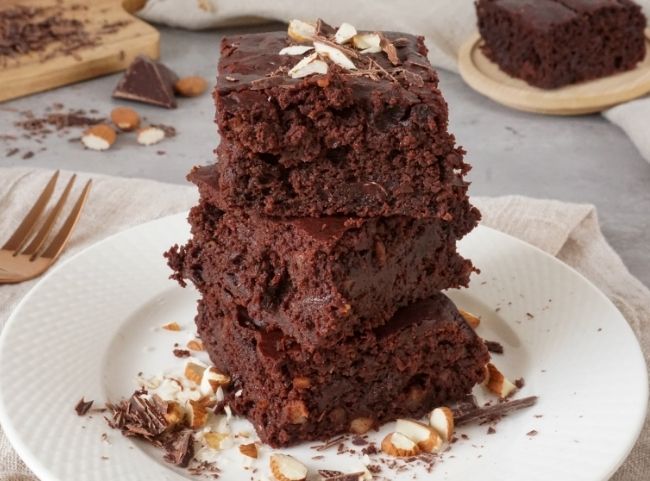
(361, 425)
(125, 118)
(191, 86)
(99, 137)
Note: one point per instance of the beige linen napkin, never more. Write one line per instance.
(568, 231)
(445, 24)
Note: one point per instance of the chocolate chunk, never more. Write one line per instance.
(149, 82)
(180, 450)
(83, 407)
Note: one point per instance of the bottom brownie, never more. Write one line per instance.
(424, 356)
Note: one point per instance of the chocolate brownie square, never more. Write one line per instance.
(366, 141)
(425, 356)
(552, 43)
(321, 279)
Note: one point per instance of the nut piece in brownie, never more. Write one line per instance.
(366, 137)
(552, 43)
(425, 356)
(321, 279)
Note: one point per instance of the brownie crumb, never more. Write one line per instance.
(491, 430)
(28, 155)
(494, 347)
(83, 407)
(532, 433)
(11, 152)
(520, 382)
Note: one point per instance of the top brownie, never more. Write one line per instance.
(552, 43)
(366, 137)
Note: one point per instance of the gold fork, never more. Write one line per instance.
(22, 259)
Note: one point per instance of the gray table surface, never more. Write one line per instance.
(581, 159)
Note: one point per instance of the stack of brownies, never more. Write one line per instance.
(326, 231)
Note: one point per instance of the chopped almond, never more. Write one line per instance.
(249, 450)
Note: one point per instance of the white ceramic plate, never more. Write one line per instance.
(93, 323)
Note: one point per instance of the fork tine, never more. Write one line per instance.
(38, 240)
(61, 238)
(27, 225)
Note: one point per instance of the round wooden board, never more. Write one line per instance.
(487, 78)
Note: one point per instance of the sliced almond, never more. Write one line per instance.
(396, 444)
(296, 50)
(150, 135)
(442, 420)
(497, 383)
(211, 380)
(287, 468)
(470, 318)
(426, 438)
(194, 372)
(249, 450)
(361, 425)
(335, 55)
(367, 42)
(195, 345)
(345, 33)
(301, 31)
(125, 118)
(172, 326)
(175, 414)
(309, 65)
(99, 137)
(191, 86)
(214, 440)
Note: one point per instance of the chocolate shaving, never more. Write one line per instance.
(401, 42)
(25, 30)
(339, 476)
(324, 29)
(83, 407)
(140, 416)
(329, 473)
(389, 49)
(494, 347)
(493, 413)
(180, 451)
(328, 444)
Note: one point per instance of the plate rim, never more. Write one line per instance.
(506, 94)
(42, 472)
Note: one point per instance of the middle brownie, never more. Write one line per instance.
(321, 279)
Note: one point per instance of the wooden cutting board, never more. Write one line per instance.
(487, 78)
(115, 49)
